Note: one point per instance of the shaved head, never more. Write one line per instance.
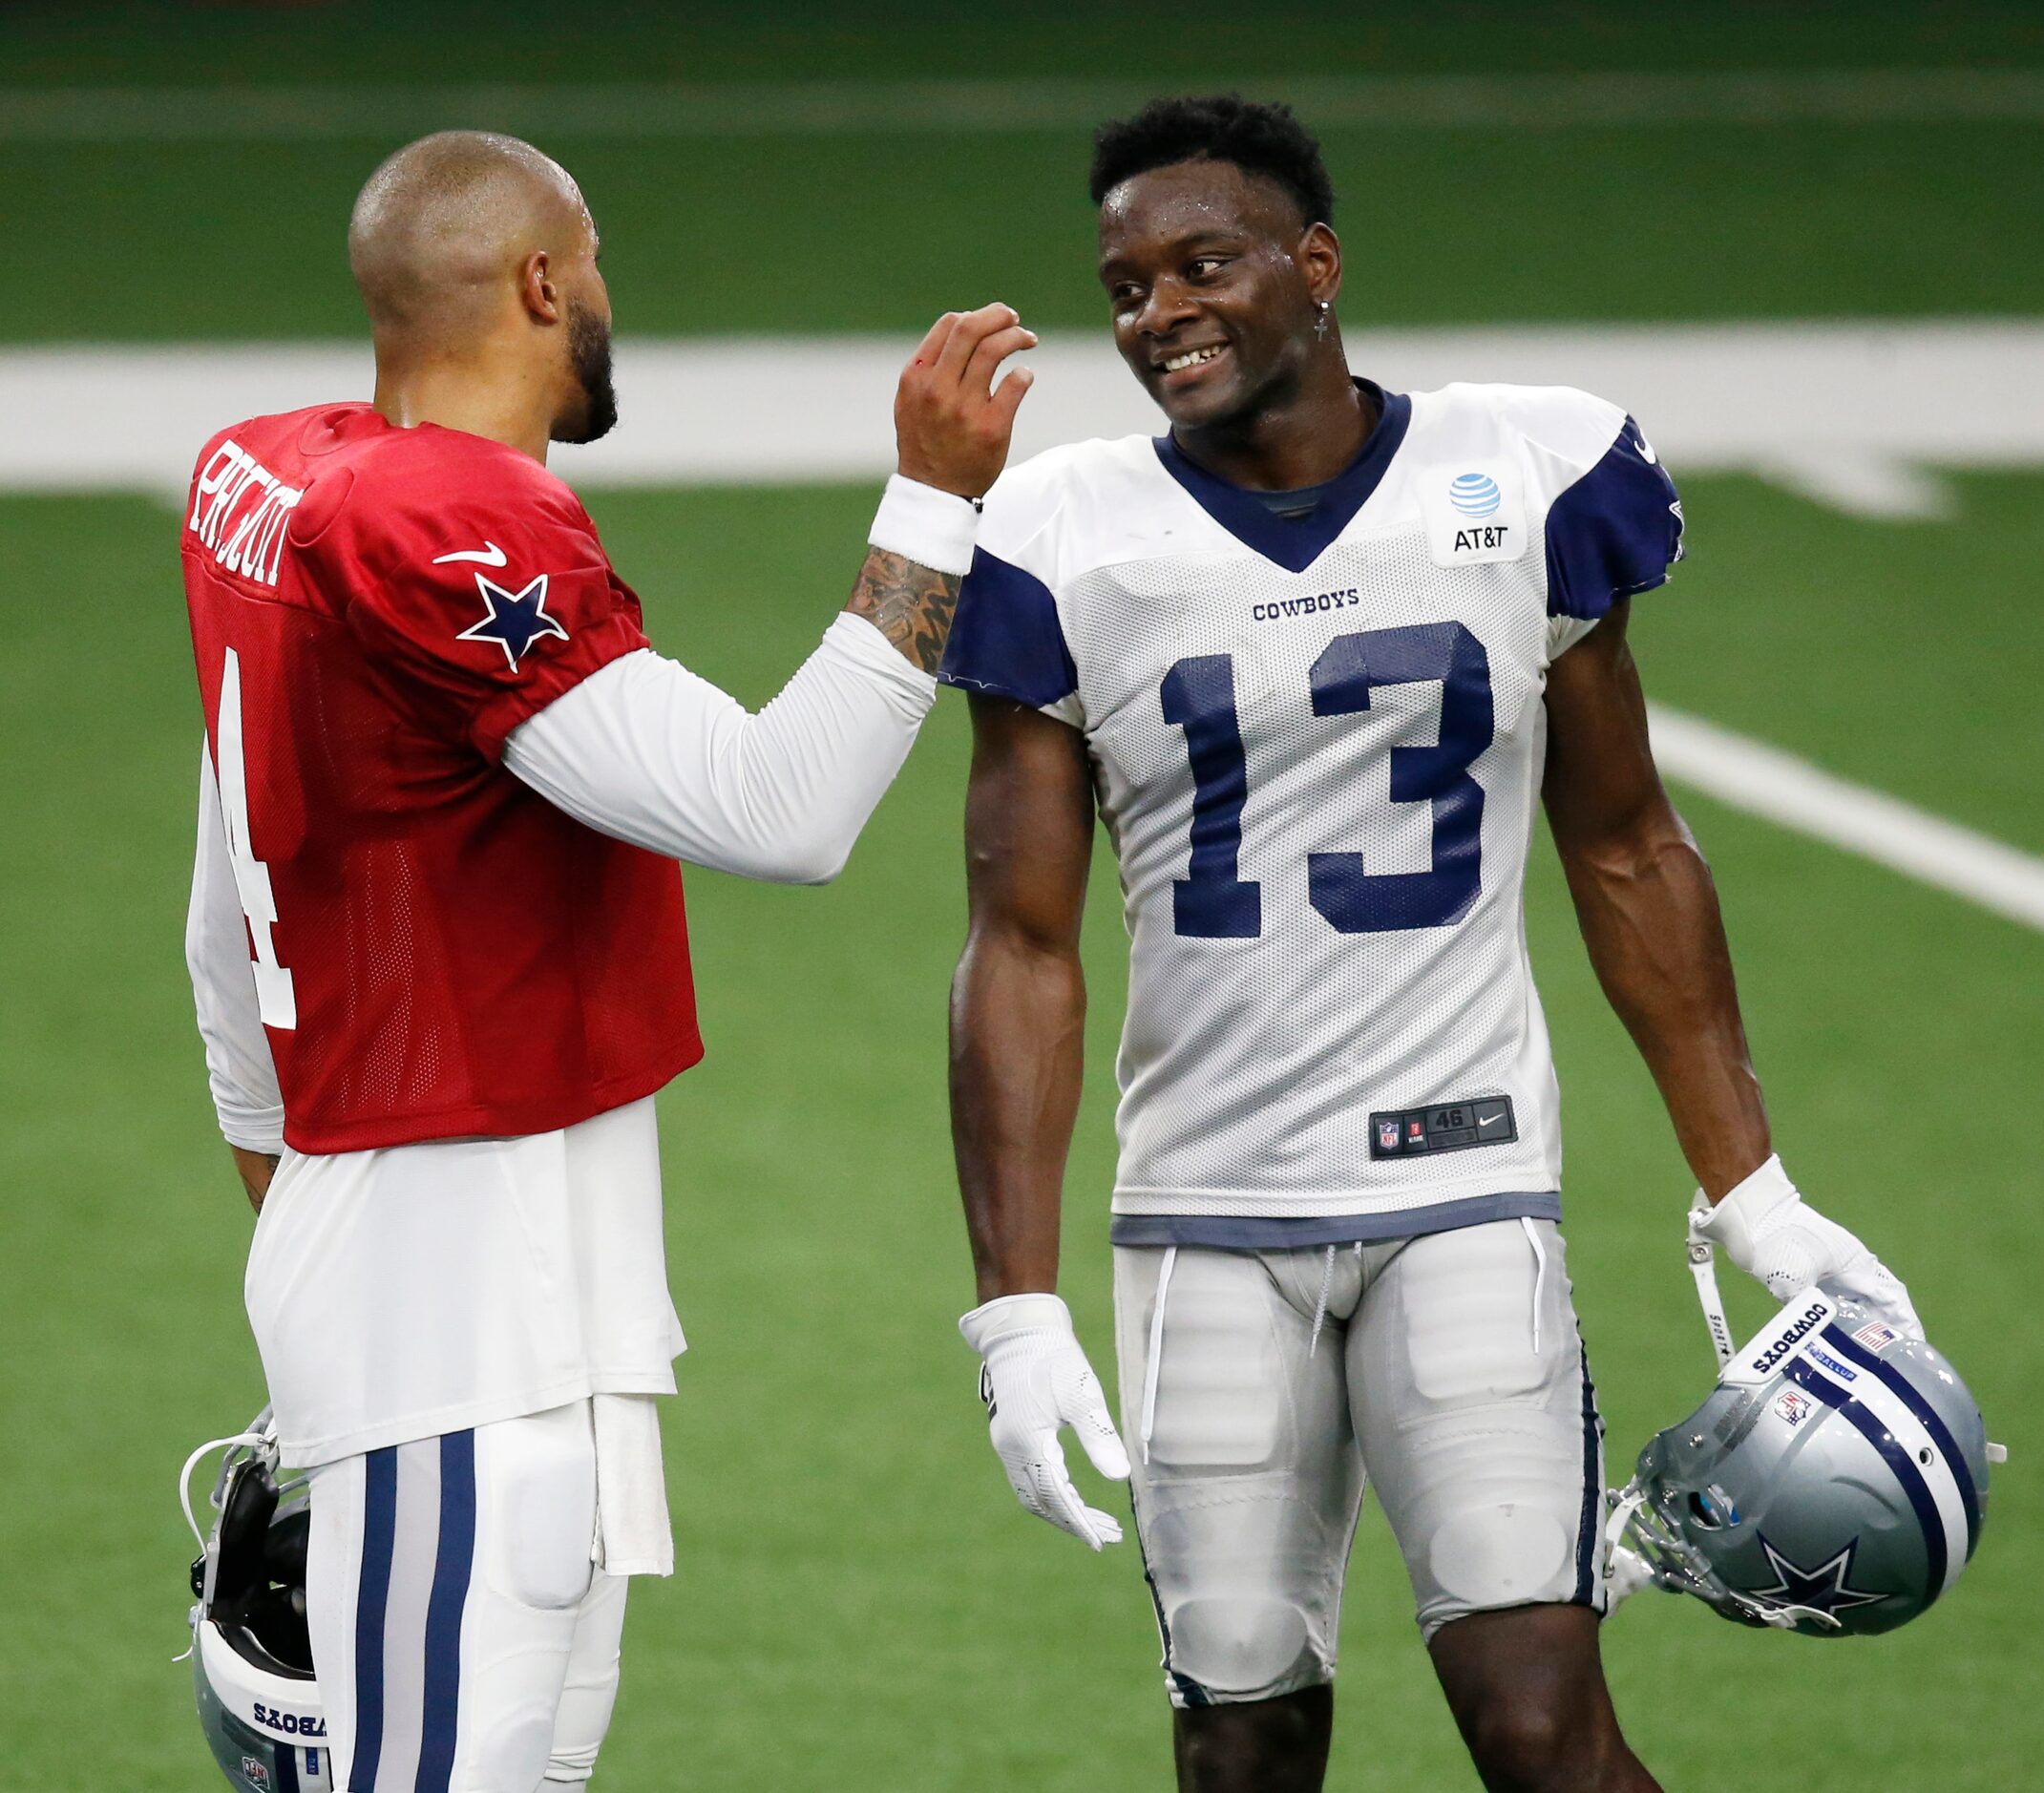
(468, 239)
(442, 227)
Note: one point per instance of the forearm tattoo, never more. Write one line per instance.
(909, 604)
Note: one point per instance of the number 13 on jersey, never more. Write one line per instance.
(1214, 901)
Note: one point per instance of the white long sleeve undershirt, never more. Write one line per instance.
(239, 1067)
(647, 752)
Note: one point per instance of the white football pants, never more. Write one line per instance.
(463, 1641)
(1257, 1387)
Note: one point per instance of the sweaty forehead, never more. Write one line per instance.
(1149, 212)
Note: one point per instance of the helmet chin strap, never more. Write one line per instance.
(261, 1436)
(1703, 1267)
(250, 1441)
(1627, 1569)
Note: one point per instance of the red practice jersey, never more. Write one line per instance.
(438, 951)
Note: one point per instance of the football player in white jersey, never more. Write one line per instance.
(1314, 656)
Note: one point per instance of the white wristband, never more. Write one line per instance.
(932, 528)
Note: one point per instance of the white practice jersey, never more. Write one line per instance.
(1317, 744)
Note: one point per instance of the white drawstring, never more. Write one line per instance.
(1156, 1349)
(1319, 1312)
(1540, 1273)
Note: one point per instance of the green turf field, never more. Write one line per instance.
(860, 1604)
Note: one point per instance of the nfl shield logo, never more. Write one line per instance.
(1793, 1407)
(1387, 1136)
(254, 1772)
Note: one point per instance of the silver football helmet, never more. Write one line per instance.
(259, 1704)
(1834, 1481)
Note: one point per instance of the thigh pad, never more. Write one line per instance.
(1480, 1427)
(1246, 1496)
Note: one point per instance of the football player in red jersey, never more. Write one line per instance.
(437, 942)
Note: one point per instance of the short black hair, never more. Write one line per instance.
(1260, 137)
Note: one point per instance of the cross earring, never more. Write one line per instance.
(1319, 326)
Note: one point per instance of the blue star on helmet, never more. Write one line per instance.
(1822, 1590)
(515, 619)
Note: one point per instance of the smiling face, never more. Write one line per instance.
(1213, 278)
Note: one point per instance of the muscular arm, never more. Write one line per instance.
(1018, 1003)
(1648, 909)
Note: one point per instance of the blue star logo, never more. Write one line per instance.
(515, 619)
(1824, 1589)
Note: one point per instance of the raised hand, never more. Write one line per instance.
(951, 425)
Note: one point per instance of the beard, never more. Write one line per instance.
(589, 357)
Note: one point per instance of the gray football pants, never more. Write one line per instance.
(1258, 1388)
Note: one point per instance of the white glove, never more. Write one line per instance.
(1034, 1378)
(1766, 1229)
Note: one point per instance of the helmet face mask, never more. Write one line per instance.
(1834, 1482)
(259, 1705)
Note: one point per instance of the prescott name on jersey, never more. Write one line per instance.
(1318, 743)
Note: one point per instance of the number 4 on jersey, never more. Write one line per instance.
(275, 994)
(1198, 695)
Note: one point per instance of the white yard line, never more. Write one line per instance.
(748, 109)
(1858, 416)
(1766, 782)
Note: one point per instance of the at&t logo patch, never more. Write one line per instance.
(1474, 515)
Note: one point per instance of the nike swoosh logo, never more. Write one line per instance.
(491, 555)
(1487, 1120)
(1646, 450)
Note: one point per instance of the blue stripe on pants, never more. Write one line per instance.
(379, 1536)
(451, 1566)
(1588, 1530)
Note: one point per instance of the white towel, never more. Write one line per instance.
(633, 1536)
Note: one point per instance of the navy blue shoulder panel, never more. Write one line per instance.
(1616, 531)
(1006, 639)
